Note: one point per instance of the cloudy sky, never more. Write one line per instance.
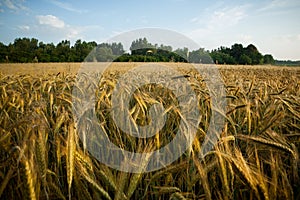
(273, 26)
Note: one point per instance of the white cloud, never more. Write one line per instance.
(10, 4)
(216, 24)
(72, 32)
(67, 6)
(24, 27)
(51, 21)
(228, 16)
(51, 26)
(279, 4)
(14, 5)
(219, 18)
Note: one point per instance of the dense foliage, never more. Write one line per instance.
(24, 50)
(287, 62)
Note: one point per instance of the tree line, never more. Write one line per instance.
(24, 50)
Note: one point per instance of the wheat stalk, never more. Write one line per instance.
(70, 157)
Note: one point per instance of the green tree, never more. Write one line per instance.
(104, 54)
(80, 50)
(254, 54)
(50, 53)
(237, 50)
(117, 48)
(268, 59)
(183, 53)
(222, 58)
(165, 48)
(245, 60)
(141, 43)
(3, 53)
(200, 56)
(62, 51)
(23, 50)
(43, 53)
(26, 50)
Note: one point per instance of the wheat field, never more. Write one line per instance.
(256, 156)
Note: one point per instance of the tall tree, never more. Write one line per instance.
(236, 52)
(141, 43)
(117, 49)
(3, 53)
(184, 53)
(268, 59)
(62, 51)
(104, 54)
(220, 57)
(200, 56)
(165, 47)
(254, 54)
(26, 50)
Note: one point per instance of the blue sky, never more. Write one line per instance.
(273, 26)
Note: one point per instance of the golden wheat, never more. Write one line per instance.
(42, 156)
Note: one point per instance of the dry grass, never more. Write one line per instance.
(255, 158)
